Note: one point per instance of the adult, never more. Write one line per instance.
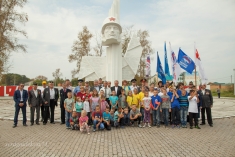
(100, 82)
(109, 84)
(207, 103)
(125, 87)
(218, 92)
(82, 94)
(87, 86)
(116, 88)
(44, 85)
(144, 83)
(96, 86)
(63, 95)
(50, 98)
(77, 89)
(35, 101)
(107, 91)
(190, 86)
(20, 97)
(134, 86)
(68, 84)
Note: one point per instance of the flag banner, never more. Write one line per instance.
(147, 69)
(175, 66)
(185, 62)
(160, 71)
(167, 71)
(198, 62)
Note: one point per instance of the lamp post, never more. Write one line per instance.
(234, 81)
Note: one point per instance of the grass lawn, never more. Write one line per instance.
(224, 94)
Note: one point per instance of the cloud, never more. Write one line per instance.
(53, 26)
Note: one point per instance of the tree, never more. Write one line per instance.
(13, 79)
(41, 77)
(80, 48)
(98, 48)
(57, 74)
(10, 17)
(126, 37)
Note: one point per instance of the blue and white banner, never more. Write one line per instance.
(185, 62)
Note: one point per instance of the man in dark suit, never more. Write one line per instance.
(96, 86)
(20, 98)
(50, 98)
(63, 95)
(116, 88)
(207, 103)
(35, 101)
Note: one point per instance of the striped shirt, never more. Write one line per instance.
(184, 100)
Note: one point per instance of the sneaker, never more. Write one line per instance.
(140, 126)
(173, 126)
(122, 127)
(94, 130)
(197, 127)
(178, 126)
(185, 126)
(191, 127)
(144, 125)
(88, 133)
(149, 125)
(67, 128)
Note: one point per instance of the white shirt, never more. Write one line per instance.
(160, 94)
(108, 91)
(36, 93)
(133, 87)
(86, 106)
(21, 95)
(192, 105)
(116, 88)
(70, 87)
(42, 89)
(150, 94)
(52, 93)
(203, 91)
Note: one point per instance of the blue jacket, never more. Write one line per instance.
(17, 97)
(175, 102)
(153, 98)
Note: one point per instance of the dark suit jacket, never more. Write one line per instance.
(33, 100)
(63, 96)
(46, 96)
(17, 97)
(118, 91)
(92, 88)
(206, 99)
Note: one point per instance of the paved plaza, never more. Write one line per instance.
(55, 140)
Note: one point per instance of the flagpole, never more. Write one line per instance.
(195, 76)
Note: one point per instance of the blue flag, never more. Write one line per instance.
(160, 71)
(167, 71)
(185, 62)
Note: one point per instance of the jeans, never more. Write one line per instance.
(95, 122)
(126, 119)
(17, 110)
(183, 114)
(142, 113)
(175, 116)
(156, 116)
(165, 112)
(68, 115)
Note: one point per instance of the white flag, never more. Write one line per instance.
(198, 62)
(175, 66)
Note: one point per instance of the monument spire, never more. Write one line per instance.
(115, 9)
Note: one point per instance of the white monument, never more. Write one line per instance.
(113, 66)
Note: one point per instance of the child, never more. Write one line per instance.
(103, 104)
(175, 108)
(136, 98)
(146, 103)
(193, 109)
(183, 100)
(129, 99)
(113, 100)
(122, 99)
(87, 108)
(126, 117)
(156, 102)
(94, 100)
(97, 119)
(83, 122)
(74, 121)
(68, 105)
(135, 115)
(101, 93)
(79, 106)
(118, 118)
(165, 106)
(107, 118)
(141, 96)
(112, 117)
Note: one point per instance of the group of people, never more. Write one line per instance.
(103, 106)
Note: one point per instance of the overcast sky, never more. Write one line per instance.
(53, 26)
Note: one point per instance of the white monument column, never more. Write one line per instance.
(114, 63)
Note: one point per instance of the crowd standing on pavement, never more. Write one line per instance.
(103, 106)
